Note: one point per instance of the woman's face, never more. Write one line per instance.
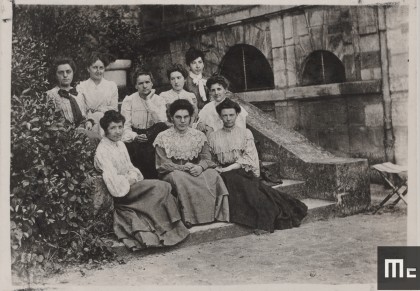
(96, 70)
(228, 117)
(197, 66)
(64, 75)
(177, 81)
(181, 120)
(217, 92)
(144, 85)
(115, 131)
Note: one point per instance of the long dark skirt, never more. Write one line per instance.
(259, 206)
(148, 216)
(142, 154)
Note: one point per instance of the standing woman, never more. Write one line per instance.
(183, 159)
(100, 95)
(176, 75)
(196, 82)
(251, 203)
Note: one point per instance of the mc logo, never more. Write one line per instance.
(400, 263)
(397, 268)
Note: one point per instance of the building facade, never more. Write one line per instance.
(336, 74)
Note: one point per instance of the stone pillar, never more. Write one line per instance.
(396, 21)
(278, 51)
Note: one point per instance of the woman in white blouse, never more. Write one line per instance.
(100, 95)
(67, 100)
(145, 212)
(208, 119)
(176, 75)
(251, 202)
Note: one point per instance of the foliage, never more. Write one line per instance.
(76, 31)
(51, 165)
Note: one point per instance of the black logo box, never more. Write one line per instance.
(411, 259)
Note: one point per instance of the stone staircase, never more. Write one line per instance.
(328, 185)
(308, 171)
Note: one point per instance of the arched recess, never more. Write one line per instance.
(322, 67)
(247, 69)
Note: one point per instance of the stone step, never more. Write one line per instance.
(294, 188)
(317, 210)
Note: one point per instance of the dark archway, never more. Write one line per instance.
(247, 69)
(322, 67)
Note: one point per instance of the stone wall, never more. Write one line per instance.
(286, 36)
(397, 42)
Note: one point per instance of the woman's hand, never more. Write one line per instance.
(188, 166)
(196, 170)
(131, 181)
(201, 126)
(219, 169)
(141, 138)
(89, 125)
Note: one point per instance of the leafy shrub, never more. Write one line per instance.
(51, 211)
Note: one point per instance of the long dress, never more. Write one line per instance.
(143, 116)
(251, 202)
(145, 213)
(202, 199)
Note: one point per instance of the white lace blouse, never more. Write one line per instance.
(235, 145)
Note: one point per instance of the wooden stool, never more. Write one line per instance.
(397, 182)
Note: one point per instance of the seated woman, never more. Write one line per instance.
(183, 159)
(196, 82)
(251, 203)
(145, 114)
(208, 119)
(176, 75)
(146, 213)
(100, 95)
(68, 100)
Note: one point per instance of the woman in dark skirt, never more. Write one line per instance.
(251, 203)
(146, 213)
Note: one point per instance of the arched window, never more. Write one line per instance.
(322, 67)
(247, 69)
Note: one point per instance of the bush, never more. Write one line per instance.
(51, 211)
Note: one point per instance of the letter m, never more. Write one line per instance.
(394, 263)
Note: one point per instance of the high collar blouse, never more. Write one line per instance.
(101, 97)
(140, 113)
(235, 145)
(209, 116)
(63, 104)
(113, 160)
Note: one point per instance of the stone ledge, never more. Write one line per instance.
(317, 91)
(317, 210)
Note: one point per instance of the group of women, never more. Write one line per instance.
(206, 160)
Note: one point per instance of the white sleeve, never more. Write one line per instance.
(117, 185)
(126, 108)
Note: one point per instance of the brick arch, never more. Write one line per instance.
(322, 67)
(246, 68)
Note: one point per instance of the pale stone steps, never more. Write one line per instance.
(317, 210)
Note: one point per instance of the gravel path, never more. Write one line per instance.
(337, 251)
